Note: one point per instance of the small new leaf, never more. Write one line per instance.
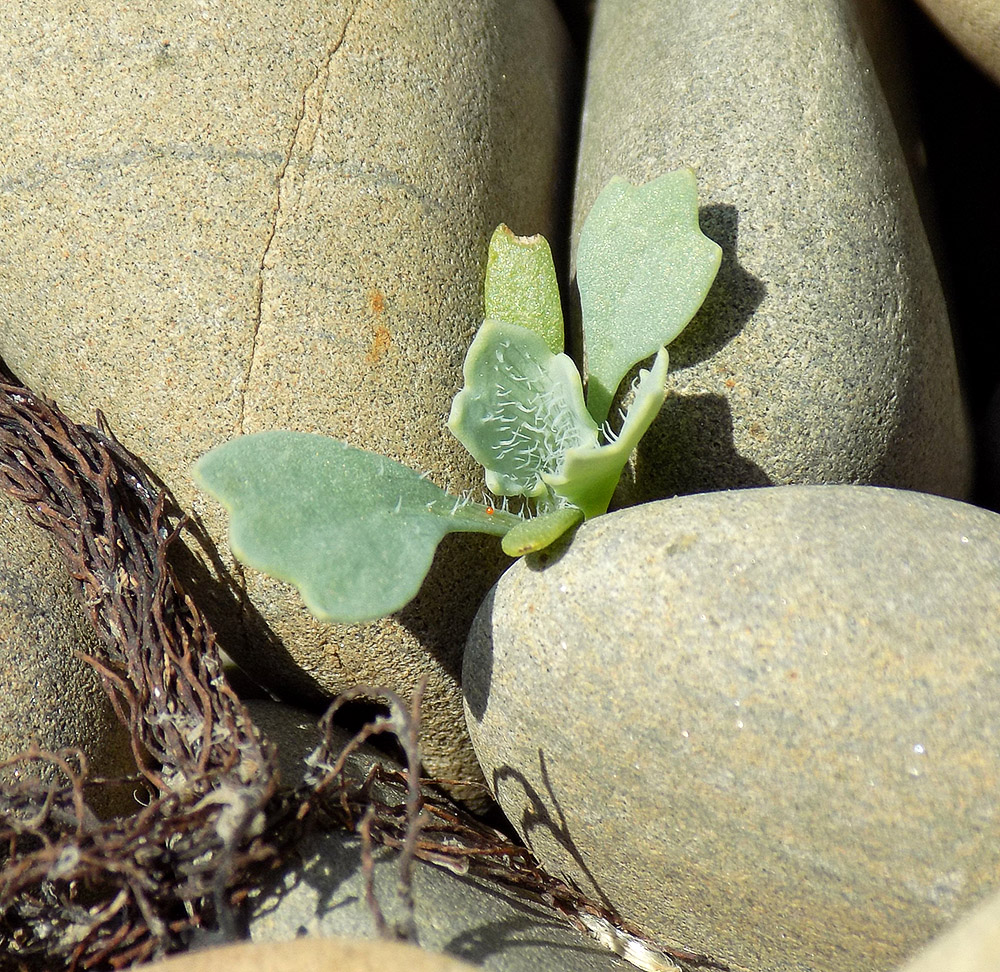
(521, 409)
(354, 531)
(588, 476)
(541, 531)
(521, 415)
(521, 286)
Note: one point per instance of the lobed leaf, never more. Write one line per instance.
(354, 531)
(588, 475)
(644, 268)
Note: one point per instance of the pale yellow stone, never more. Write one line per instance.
(974, 26)
(973, 945)
(220, 218)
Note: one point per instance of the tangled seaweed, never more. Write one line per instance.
(80, 892)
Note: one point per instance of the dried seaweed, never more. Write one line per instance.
(106, 893)
(78, 892)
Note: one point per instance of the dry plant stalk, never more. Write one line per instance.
(78, 892)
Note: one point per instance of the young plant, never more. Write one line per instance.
(356, 532)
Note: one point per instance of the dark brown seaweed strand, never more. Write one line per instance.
(104, 894)
(78, 892)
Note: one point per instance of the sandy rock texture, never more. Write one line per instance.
(974, 26)
(760, 723)
(222, 218)
(49, 694)
(823, 352)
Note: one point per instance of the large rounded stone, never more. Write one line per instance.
(823, 352)
(48, 694)
(973, 945)
(760, 723)
(225, 218)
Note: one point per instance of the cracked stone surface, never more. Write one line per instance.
(229, 217)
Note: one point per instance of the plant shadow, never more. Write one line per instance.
(536, 820)
(465, 567)
(689, 448)
(731, 301)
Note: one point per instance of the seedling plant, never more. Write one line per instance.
(356, 532)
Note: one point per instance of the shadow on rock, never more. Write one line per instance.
(465, 567)
(731, 302)
(688, 449)
(242, 632)
(535, 819)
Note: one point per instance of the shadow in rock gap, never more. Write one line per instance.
(221, 598)
(730, 303)
(535, 819)
(477, 678)
(958, 107)
(689, 448)
(465, 567)
(578, 16)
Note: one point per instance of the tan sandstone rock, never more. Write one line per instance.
(223, 218)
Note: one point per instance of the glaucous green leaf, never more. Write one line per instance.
(644, 268)
(354, 531)
(521, 286)
(521, 409)
(588, 475)
(540, 531)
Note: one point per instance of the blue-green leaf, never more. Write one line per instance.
(354, 531)
(644, 268)
(588, 476)
(521, 409)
